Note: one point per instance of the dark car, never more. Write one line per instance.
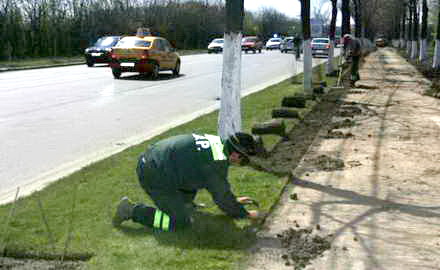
(100, 51)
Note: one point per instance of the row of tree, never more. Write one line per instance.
(372, 18)
(66, 27)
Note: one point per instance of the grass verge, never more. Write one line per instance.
(73, 215)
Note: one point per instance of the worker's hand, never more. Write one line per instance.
(255, 215)
(244, 200)
(247, 200)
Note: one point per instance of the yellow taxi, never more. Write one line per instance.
(144, 54)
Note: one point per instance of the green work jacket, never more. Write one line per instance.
(192, 162)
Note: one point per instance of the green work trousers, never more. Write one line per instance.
(174, 206)
(355, 69)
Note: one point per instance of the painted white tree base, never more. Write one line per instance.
(229, 120)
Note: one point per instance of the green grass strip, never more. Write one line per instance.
(215, 242)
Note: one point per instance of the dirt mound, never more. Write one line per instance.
(434, 91)
(349, 111)
(326, 163)
(337, 135)
(302, 246)
(346, 123)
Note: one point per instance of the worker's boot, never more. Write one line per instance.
(124, 211)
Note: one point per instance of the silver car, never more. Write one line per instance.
(320, 46)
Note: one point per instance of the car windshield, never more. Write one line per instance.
(218, 41)
(320, 41)
(133, 42)
(275, 40)
(106, 42)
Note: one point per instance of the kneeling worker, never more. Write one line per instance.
(171, 172)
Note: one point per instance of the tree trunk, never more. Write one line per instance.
(424, 34)
(229, 120)
(345, 8)
(332, 33)
(402, 33)
(436, 60)
(409, 30)
(357, 18)
(305, 19)
(415, 36)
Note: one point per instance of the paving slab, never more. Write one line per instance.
(382, 209)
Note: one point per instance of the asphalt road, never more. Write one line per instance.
(53, 121)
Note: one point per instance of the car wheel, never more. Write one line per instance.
(176, 69)
(254, 51)
(246, 51)
(90, 63)
(116, 73)
(259, 50)
(155, 72)
(209, 52)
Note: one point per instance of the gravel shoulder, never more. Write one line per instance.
(372, 188)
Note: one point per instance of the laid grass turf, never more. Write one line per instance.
(74, 214)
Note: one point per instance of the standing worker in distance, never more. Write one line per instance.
(297, 45)
(353, 50)
(171, 172)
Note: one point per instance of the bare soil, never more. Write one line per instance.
(381, 210)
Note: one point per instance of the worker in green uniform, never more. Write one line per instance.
(352, 47)
(297, 44)
(171, 172)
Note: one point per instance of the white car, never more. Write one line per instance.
(216, 45)
(273, 43)
(320, 46)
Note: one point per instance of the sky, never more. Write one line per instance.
(291, 8)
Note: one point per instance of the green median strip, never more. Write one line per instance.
(72, 217)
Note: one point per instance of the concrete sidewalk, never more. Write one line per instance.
(382, 210)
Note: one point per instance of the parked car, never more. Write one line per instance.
(251, 43)
(147, 54)
(380, 42)
(216, 45)
(320, 46)
(100, 51)
(273, 44)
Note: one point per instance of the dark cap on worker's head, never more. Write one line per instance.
(242, 143)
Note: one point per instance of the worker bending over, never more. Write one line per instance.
(171, 172)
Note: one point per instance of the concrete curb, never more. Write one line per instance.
(6, 69)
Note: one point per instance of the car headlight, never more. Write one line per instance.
(108, 49)
(87, 50)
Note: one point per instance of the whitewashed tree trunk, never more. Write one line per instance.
(436, 59)
(423, 50)
(230, 110)
(331, 54)
(414, 51)
(307, 66)
(408, 47)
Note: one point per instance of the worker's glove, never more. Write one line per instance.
(247, 200)
(256, 215)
